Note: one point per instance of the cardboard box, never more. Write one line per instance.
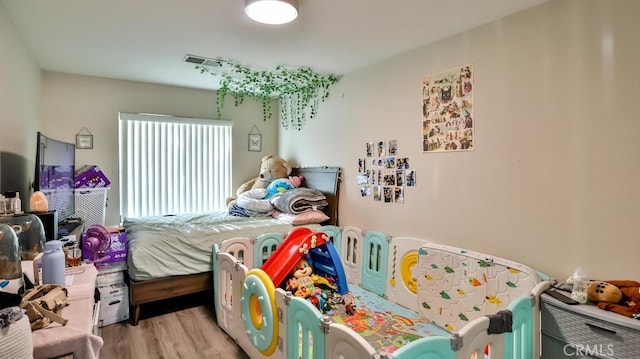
(90, 176)
(114, 303)
(116, 252)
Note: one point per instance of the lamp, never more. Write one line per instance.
(273, 12)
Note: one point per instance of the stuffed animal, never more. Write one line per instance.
(271, 168)
(629, 302)
(282, 185)
(302, 273)
(599, 291)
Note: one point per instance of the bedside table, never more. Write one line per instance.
(586, 331)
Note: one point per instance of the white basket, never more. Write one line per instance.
(60, 199)
(91, 204)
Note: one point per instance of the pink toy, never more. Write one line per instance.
(296, 181)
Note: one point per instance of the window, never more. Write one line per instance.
(173, 165)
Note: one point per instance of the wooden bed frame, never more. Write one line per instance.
(324, 179)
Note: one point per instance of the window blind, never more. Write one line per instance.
(173, 165)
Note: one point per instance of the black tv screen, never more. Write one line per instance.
(54, 175)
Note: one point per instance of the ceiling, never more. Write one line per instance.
(147, 40)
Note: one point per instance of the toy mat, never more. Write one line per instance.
(385, 325)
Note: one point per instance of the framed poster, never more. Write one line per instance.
(84, 141)
(447, 111)
(255, 142)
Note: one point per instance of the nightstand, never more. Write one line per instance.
(586, 331)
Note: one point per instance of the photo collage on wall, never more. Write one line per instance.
(447, 111)
(384, 173)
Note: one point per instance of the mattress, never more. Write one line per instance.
(166, 246)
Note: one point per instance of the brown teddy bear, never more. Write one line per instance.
(271, 168)
(618, 296)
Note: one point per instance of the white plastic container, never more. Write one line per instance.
(53, 264)
(580, 283)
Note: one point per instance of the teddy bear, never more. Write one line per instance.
(271, 168)
(618, 296)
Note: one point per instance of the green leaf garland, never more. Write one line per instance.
(300, 90)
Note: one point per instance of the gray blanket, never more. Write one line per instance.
(299, 200)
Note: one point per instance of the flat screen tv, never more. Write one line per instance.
(54, 174)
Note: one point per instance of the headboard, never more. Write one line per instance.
(325, 180)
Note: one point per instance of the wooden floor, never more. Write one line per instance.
(182, 327)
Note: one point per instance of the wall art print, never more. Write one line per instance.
(447, 111)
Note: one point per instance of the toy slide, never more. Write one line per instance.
(326, 263)
(295, 245)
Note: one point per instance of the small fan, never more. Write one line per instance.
(97, 241)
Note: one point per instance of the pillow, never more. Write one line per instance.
(307, 217)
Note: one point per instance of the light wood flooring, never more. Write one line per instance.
(182, 327)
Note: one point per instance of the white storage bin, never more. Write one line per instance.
(114, 303)
(91, 205)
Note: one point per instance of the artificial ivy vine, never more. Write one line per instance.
(299, 90)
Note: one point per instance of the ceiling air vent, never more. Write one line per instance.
(199, 60)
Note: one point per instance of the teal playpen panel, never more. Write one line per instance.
(426, 348)
(519, 343)
(265, 245)
(305, 338)
(335, 234)
(374, 262)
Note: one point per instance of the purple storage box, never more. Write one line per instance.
(116, 252)
(90, 176)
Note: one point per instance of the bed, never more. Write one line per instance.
(170, 256)
(415, 299)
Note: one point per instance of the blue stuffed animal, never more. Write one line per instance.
(278, 186)
(281, 185)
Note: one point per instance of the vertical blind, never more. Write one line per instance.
(173, 165)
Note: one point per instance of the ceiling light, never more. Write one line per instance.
(273, 12)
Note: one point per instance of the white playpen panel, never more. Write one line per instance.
(475, 338)
(239, 247)
(343, 343)
(224, 276)
(403, 262)
(351, 251)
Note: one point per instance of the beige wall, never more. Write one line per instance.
(554, 180)
(19, 96)
(71, 102)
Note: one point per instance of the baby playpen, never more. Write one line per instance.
(413, 299)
